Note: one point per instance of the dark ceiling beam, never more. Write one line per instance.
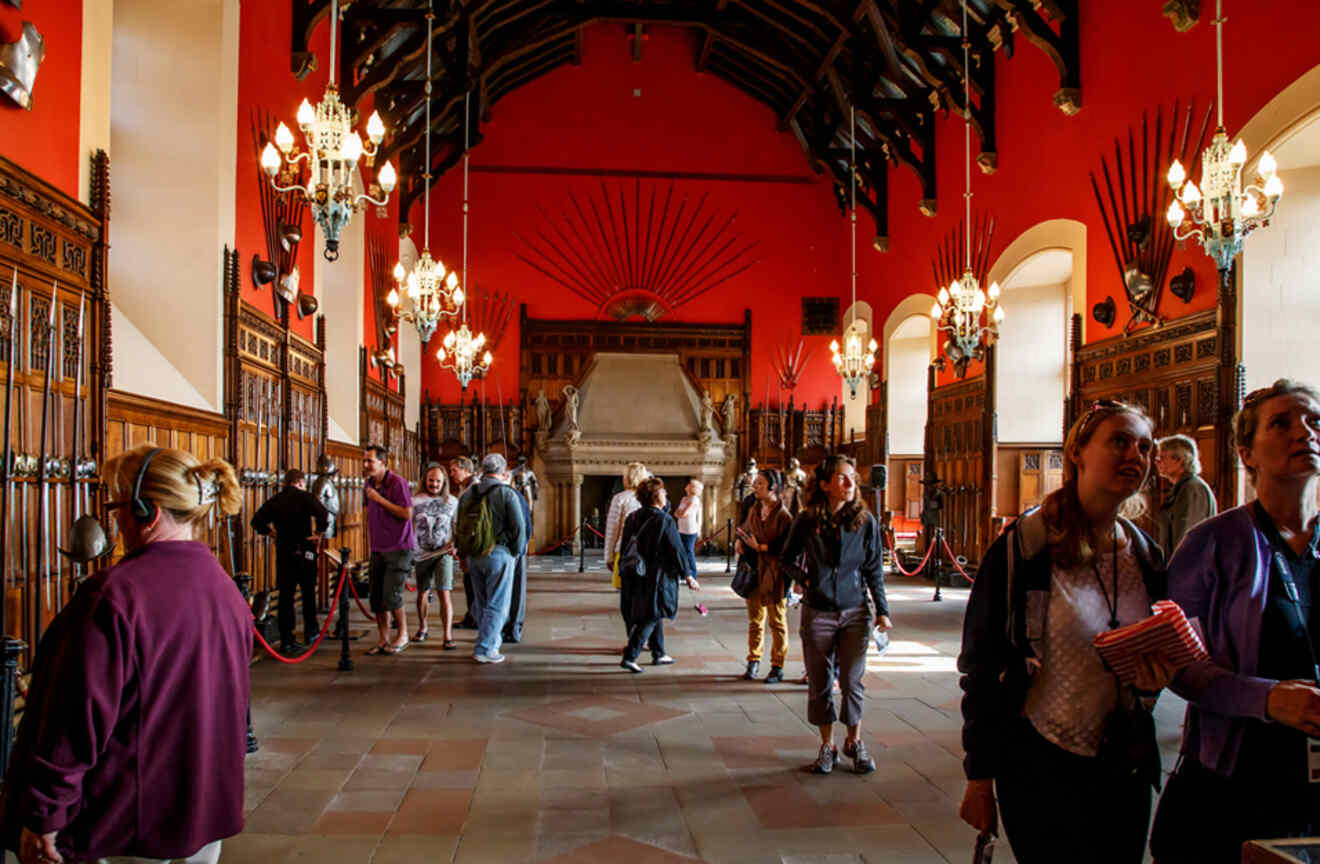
(707, 42)
(1063, 48)
(306, 14)
(826, 63)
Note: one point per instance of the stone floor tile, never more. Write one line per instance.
(431, 811)
(415, 849)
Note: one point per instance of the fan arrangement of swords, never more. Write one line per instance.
(50, 470)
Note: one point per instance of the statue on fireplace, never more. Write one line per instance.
(707, 432)
(542, 406)
(574, 432)
(729, 414)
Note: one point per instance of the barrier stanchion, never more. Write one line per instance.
(936, 542)
(244, 582)
(8, 692)
(728, 546)
(582, 549)
(345, 660)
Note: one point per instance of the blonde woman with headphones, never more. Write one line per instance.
(134, 735)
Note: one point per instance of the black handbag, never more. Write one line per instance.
(1128, 747)
(746, 580)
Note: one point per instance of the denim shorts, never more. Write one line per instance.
(436, 572)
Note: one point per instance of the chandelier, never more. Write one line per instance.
(969, 315)
(432, 294)
(853, 364)
(332, 156)
(461, 351)
(1222, 212)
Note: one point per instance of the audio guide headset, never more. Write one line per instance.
(143, 510)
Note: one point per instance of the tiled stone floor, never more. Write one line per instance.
(558, 755)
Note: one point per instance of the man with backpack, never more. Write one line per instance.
(489, 535)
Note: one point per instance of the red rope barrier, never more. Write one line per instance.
(324, 629)
(560, 543)
(893, 553)
(954, 559)
(594, 531)
(353, 589)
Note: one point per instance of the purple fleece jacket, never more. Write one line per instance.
(1220, 576)
(135, 732)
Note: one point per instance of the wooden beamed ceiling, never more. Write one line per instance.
(897, 62)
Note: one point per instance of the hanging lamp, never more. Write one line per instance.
(332, 156)
(462, 351)
(432, 293)
(853, 364)
(969, 315)
(1222, 212)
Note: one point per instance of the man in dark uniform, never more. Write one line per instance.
(294, 517)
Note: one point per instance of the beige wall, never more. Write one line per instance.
(1281, 286)
(908, 359)
(1031, 363)
(340, 287)
(94, 89)
(410, 347)
(174, 98)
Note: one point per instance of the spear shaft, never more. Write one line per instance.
(6, 490)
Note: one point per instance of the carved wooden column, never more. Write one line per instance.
(1072, 400)
(928, 443)
(989, 457)
(1231, 376)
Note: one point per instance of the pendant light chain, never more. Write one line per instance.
(1219, 57)
(467, 116)
(967, 132)
(426, 172)
(334, 30)
(852, 208)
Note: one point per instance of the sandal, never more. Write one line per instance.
(397, 647)
(450, 645)
(377, 650)
(421, 635)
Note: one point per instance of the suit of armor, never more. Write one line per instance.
(327, 493)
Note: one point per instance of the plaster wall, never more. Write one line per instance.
(340, 289)
(1031, 363)
(94, 87)
(908, 359)
(174, 114)
(141, 368)
(1281, 286)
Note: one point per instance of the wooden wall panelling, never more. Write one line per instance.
(554, 354)
(56, 247)
(960, 452)
(779, 435)
(1177, 374)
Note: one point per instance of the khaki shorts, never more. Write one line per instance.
(436, 572)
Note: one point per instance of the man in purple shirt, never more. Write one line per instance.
(390, 532)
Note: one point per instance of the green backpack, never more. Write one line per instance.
(474, 535)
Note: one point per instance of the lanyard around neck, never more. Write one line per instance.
(1111, 603)
(1283, 570)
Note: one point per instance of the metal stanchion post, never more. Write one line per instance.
(582, 549)
(244, 582)
(8, 692)
(728, 545)
(935, 559)
(345, 661)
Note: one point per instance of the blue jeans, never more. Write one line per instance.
(492, 588)
(690, 550)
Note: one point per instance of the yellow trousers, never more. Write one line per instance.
(760, 606)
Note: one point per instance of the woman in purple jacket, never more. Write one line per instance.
(133, 739)
(1249, 575)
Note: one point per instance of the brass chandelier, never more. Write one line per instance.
(969, 315)
(853, 364)
(1222, 212)
(432, 293)
(462, 351)
(332, 156)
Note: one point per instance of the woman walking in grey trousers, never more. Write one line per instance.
(834, 553)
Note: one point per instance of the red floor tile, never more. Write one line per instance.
(431, 811)
(455, 754)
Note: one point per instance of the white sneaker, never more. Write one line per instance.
(488, 658)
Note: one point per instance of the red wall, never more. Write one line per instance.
(45, 139)
(587, 117)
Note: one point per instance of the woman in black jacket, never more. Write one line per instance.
(1070, 751)
(838, 542)
(651, 559)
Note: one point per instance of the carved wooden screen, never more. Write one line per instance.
(471, 427)
(275, 404)
(554, 354)
(956, 446)
(57, 247)
(1175, 373)
(382, 423)
(775, 436)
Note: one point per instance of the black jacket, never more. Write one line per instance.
(837, 565)
(295, 513)
(655, 594)
(1003, 628)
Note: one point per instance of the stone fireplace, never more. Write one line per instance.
(632, 407)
